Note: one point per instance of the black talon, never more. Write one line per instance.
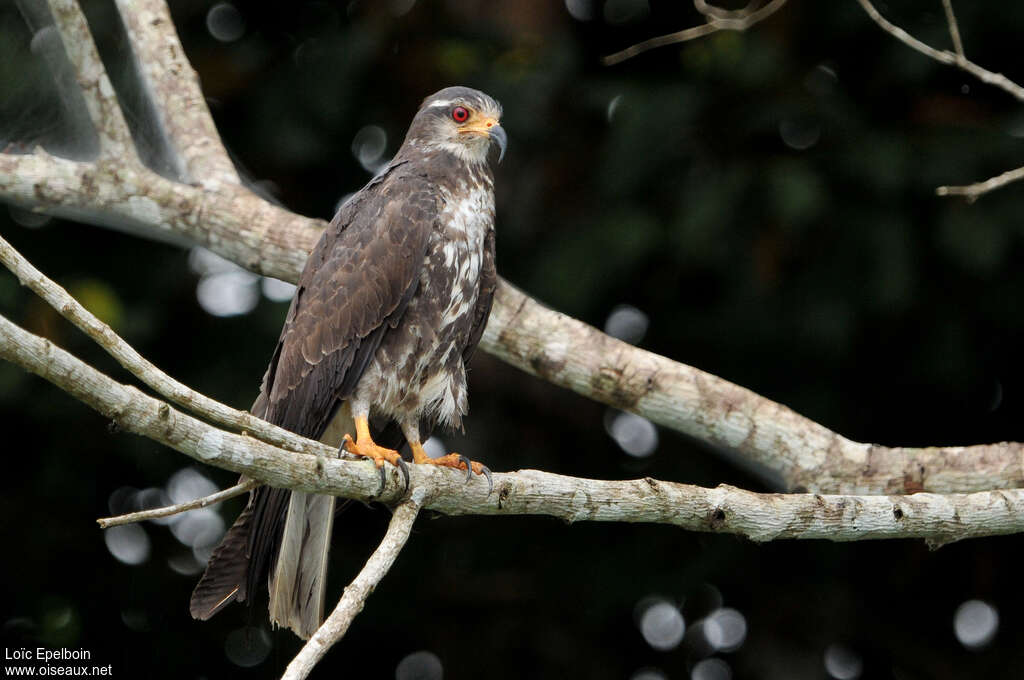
(490, 482)
(469, 467)
(404, 467)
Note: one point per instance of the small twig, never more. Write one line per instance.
(167, 511)
(943, 56)
(127, 356)
(954, 29)
(717, 20)
(100, 98)
(355, 595)
(958, 59)
(972, 191)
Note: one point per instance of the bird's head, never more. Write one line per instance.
(461, 121)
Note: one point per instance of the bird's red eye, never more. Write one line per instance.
(460, 114)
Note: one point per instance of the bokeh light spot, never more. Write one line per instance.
(225, 23)
(975, 623)
(421, 665)
(277, 290)
(368, 147)
(247, 647)
(662, 626)
(199, 527)
(188, 484)
(842, 663)
(627, 323)
(711, 669)
(228, 293)
(799, 134)
(128, 543)
(725, 629)
(580, 10)
(434, 447)
(634, 434)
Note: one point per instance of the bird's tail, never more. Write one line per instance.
(226, 577)
(299, 577)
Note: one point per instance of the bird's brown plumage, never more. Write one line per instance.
(391, 303)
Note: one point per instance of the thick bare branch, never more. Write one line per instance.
(232, 221)
(806, 455)
(155, 513)
(127, 356)
(354, 598)
(761, 517)
(173, 86)
(100, 98)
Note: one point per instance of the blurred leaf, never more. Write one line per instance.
(100, 299)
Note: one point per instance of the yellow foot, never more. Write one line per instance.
(366, 448)
(453, 460)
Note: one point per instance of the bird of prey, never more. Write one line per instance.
(388, 310)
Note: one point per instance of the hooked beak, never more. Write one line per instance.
(498, 135)
(490, 127)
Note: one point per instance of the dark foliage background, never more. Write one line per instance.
(766, 199)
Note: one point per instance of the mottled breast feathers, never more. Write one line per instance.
(363, 273)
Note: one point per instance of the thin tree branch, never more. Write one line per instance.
(944, 56)
(100, 98)
(973, 191)
(717, 20)
(128, 357)
(936, 518)
(354, 598)
(173, 86)
(954, 29)
(167, 511)
(956, 58)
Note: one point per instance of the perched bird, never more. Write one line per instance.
(390, 306)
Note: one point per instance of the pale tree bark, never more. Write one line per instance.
(937, 518)
(854, 491)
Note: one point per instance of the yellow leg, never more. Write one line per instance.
(365, 446)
